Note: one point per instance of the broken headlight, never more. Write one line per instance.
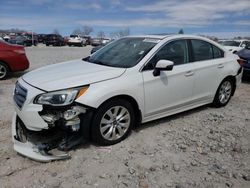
(60, 98)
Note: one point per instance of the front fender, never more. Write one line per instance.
(100, 92)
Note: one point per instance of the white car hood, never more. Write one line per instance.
(70, 74)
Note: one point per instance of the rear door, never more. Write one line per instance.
(208, 63)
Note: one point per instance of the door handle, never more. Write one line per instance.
(220, 66)
(189, 73)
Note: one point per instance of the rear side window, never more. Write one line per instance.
(201, 50)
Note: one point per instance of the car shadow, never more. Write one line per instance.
(17, 74)
(170, 118)
(142, 126)
(246, 80)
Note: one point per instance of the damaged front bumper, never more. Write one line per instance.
(32, 150)
(46, 133)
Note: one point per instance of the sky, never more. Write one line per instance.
(220, 18)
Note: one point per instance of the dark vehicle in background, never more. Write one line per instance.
(54, 40)
(41, 38)
(32, 37)
(97, 48)
(96, 41)
(21, 40)
(12, 59)
(104, 42)
(87, 39)
(244, 55)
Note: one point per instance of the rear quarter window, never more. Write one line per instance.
(218, 53)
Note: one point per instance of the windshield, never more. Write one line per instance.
(230, 43)
(124, 53)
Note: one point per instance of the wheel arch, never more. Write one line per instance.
(6, 65)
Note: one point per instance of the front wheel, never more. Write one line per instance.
(112, 122)
(224, 93)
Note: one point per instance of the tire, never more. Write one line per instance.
(116, 129)
(224, 93)
(4, 71)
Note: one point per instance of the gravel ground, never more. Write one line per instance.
(205, 147)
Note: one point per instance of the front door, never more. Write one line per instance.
(172, 89)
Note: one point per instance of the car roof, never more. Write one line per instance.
(161, 37)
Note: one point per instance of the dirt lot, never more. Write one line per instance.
(204, 147)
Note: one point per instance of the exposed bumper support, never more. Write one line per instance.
(29, 150)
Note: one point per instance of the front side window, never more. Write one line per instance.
(176, 51)
(201, 50)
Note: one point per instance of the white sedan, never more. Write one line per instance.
(130, 81)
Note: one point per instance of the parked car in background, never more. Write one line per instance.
(76, 40)
(96, 41)
(105, 41)
(93, 50)
(41, 38)
(6, 38)
(244, 54)
(33, 37)
(87, 39)
(12, 59)
(234, 45)
(54, 40)
(100, 46)
(21, 40)
(132, 80)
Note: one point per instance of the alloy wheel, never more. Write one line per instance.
(115, 123)
(3, 71)
(225, 92)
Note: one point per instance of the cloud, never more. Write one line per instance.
(224, 35)
(85, 6)
(195, 12)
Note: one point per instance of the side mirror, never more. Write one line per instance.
(163, 65)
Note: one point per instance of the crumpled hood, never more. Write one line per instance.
(70, 74)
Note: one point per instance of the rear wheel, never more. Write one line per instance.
(4, 71)
(112, 122)
(224, 93)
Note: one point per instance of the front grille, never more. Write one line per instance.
(20, 95)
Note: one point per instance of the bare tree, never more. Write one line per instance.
(101, 34)
(87, 30)
(120, 33)
(77, 31)
(56, 31)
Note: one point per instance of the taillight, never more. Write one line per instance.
(241, 61)
(20, 51)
